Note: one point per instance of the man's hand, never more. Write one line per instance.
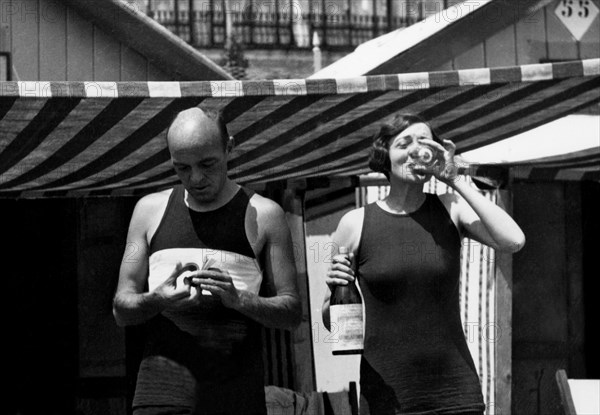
(218, 283)
(175, 292)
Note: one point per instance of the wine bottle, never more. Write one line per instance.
(346, 315)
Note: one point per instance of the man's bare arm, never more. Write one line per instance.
(131, 304)
(284, 309)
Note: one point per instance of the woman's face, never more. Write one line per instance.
(403, 166)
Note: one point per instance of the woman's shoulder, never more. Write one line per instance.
(349, 229)
(353, 218)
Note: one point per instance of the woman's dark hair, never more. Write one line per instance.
(379, 157)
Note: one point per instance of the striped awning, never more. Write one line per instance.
(62, 139)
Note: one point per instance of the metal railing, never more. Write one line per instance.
(279, 30)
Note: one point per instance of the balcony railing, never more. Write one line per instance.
(273, 30)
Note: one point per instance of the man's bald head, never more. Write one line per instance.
(194, 124)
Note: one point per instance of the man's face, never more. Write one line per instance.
(199, 158)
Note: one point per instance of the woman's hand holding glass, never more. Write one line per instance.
(445, 168)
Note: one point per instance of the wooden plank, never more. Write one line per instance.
(448, 66)
(25, 40)
(149, 38)
(589, 46)
(561, 43)
(107, 56)
(155, 74)
(503, 312)
(531, 39)
(53, 41)
(500, 48)
(134, 67)
(80, 47)
(472, 58)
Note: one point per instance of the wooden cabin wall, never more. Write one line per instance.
(548, 307)
(49, 41)
(540, 37)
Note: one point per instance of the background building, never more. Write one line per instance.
(278, 34)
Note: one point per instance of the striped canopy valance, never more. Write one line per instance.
(107, 138)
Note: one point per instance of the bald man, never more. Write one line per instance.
(202, 251)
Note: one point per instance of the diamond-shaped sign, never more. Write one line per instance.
(577, 15)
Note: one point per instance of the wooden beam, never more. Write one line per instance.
(459, 36)
(565, 392)
(161, 47)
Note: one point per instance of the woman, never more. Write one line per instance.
(406, 251)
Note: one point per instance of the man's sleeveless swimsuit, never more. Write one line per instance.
(206, 359)
(416, 359)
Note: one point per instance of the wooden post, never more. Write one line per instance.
(277, 34)
(293, 204)
(211, 16)
(176, 17)
(251, 23)
(191, 19)
(228, 15)
(295, 369)
(317, 58)
(375, 19)
(311, 23)
(324, 22)
(349, 17)
(291, 22)
(390, 15)
(504, 290)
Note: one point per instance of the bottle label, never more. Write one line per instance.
(347, 327)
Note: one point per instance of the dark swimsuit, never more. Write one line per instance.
(206, 360)
(416, 359)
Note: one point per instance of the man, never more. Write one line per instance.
(203, 249)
